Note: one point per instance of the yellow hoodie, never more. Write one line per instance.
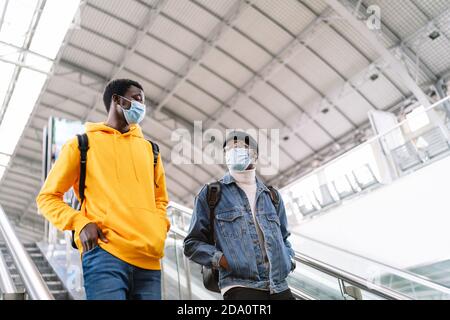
(122, 196)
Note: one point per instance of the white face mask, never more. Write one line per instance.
(238, 159)
(136, 113)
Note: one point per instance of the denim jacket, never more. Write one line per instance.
(237, 239)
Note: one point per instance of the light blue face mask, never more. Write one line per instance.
(136, 113)
(238, 159)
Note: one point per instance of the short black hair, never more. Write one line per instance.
(119, 87)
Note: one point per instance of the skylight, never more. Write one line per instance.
(23, 72)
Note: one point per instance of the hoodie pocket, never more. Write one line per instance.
(142, 229)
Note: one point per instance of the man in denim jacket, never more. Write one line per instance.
(252, 252)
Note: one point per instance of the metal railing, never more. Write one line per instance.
(397, 152)
(340, 274)
(33, 281)
(337, 273)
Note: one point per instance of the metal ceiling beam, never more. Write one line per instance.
(263, 75)
(2, 19)
(211, 41)
(395, 64)
(212, 71)
(402, 43)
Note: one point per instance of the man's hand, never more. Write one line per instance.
(224, 263)
(89, 236)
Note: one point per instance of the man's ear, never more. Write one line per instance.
(115, 98)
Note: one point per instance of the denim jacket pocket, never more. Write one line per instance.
(273, 222)
(230, 222)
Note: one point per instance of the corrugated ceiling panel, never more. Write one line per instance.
(259, 28)
(66, 88)
(256, 114)
(337, 52)
(185, 110)
(175, 35)
(213, 84)
(162, 53)
(314, 135)
(317, 6)
(63, 104)
(381, 92)
(432, 8)
(294, 87)
(189, 14)
(47, 111)
(149, 69)
(333, 121)
(227, 67)
(127, 10)
(402, 17)
(88, 61)
(32, 143)
(96, 44)
(198, 98)
(218, 7)
(272, 99)
(434, 53)
(108, 25)
(296, 147)
(356, 39)
(150, 90)
(234, 121)
(316, 71)
(244, 50)
(175, 190)
(289, 13)
(198, 173)
(32, 154)
(354, 105)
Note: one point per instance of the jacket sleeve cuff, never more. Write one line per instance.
(216, 258)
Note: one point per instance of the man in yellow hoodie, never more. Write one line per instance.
(122, 225)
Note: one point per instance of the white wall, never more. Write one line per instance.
(403, 224)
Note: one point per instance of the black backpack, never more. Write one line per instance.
(213, 195)
(83, 146)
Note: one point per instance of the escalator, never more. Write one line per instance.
(323, 272)
(51, 279)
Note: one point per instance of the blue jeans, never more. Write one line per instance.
(109, 278)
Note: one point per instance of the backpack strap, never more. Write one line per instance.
(213, 195)
(83, 146)
(155, 149)
(274, 196)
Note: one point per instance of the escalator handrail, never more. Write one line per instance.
(401, 273)
(6, 282)
(33, 281)
(332, 271)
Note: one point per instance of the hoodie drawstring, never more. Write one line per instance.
(116, 156)
(132, 154)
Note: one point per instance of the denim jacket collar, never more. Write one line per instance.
(228, 178)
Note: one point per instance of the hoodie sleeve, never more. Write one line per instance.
(62, 176)
(161, 196)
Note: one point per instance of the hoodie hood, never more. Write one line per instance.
(135, 129)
